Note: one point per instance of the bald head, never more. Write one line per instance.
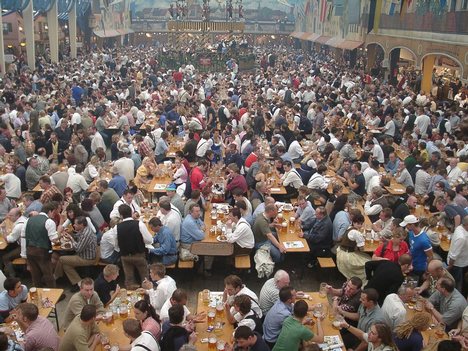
(269, 201)
(436, 268)
(412, 201)
(14, 214)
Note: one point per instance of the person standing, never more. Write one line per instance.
(132, 236)
(40, 231)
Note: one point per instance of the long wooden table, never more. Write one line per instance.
(429, 335)
(7, 224)
(291, 233)
(224, 333)
(53, 295)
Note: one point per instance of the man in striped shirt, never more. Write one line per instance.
(84, 244)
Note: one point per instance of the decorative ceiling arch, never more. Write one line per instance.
(43, 6)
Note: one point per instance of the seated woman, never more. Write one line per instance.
(91, 171)
(431, 198)
(241, 313)
(145, 172)
(181, 173)
(334, 161)
(148, 318)
(392, 249)
(350, 259)
(407, 336)
(73, 212)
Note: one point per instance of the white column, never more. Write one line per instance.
(2, 47)
(52, 22)
(29, 32)
(72, 30)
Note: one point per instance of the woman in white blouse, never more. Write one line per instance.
(181, 174)
(241, 235)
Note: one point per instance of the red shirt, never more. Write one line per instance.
(389, 253)
(250, 159)
(196, 179)
(238, 182)
(177, 76)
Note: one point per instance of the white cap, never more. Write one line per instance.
(410, 219)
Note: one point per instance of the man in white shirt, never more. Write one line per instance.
(376, 150)
(76, 181)
(170, 216)
(295, 149)
(453, 172)
(125, 166)
(421, 123)
(457, 258)
(241, 234)
(393, 308)
(370, 172)
(233, 287)
(317, 181)
(204, 144)
(139, 340)
(97, 140)
(19, 249)
(165, 286)
(179, 297)
(291, 179)
(109, 246)
(12, 183)
(126, 199)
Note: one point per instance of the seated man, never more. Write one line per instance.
(179, 297)
(247, 339)
(165, 286)
(106, 284)
(12, 296)
(82, 333)
(275, 317)
(139, 340)
(305, 213)
(446, 304)
(110, 252)
(383, 226)
(394, 308)
(435, 271)
(174, 335)
(348, 298)
(294, 332)
(85, 247)
(233, 287)
(192, 227)
(39, 332)
(166, 250)
(263, 233)
(368, 313)
(86, 296)
(241, 234)
(269, 293)
(320, 236)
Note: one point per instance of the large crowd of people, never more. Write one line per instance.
(81, 140)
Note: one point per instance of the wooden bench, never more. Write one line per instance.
(19, 261)
(242, 262)
(326, 262)
(185, 264)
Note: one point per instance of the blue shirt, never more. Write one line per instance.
(274, 320)
(119, 184)
(36, 205)
(306, 216)
(418, 247)
(340, 224)
(7, 303)
(392, 167)
(191, 230)
(167, 246)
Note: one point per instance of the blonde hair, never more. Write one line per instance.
(420, 321)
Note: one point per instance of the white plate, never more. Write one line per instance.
(221, 240)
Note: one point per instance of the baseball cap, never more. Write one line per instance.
(410, 219)
(171, 187)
